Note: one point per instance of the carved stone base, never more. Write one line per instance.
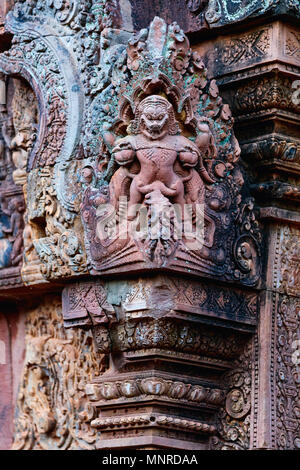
(156, 408)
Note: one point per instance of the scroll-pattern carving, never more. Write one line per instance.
(166, 140)
(234, 419)
(288, 374)
(52, 409)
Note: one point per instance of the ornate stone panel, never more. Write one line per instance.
(6, 410)
(121, 188)
(288, 280)
(167, 146)
(287, 391)
(199, 15)
(184, 173)
(234, 419)
(52, 408)
(18, 127)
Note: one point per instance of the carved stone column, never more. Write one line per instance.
(258, 74)
(175, 343)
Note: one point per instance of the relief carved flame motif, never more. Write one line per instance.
(52, 409)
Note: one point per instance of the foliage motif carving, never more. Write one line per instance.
(53, 410)
(58, 244)
(85, 304)
(289, 274)
(246, 48)
(287, 374)
(261, 94)
(173, 335)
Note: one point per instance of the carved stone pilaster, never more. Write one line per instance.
(171, 358)
(257, 72)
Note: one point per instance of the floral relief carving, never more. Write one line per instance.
(119, 123)
(289, 268)
(52, 409)
(233, 424)
(58, 243)
(292, 44)
(287, 374)
(18, 126)
(223, 12)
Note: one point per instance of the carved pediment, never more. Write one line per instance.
(161, 141)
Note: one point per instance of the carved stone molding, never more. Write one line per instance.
(85, 304)
(59, 100)
(150, 387)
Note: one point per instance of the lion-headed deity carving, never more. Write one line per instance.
(166, 158)
(161, 186)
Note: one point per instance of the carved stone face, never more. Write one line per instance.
(154, 118)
